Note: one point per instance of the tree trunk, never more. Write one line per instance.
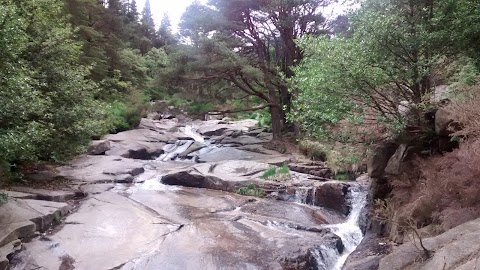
(277, 119)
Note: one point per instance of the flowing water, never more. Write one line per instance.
(191, 132)
(349, 231)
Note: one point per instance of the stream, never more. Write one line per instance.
(182, 209)
(350, 233)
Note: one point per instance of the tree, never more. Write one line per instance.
(47, 105)
(251, 45)
(386, 64)
(147, 21)
(164, 33)
(132, 12)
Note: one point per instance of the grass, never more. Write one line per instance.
(252, 190)
(277, 173)
(269, 173)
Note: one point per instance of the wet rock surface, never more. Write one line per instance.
(181, 210)
(457, 248)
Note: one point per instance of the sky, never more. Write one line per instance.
(175, 9)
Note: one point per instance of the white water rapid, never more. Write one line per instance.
(349, 232)
(191, 132)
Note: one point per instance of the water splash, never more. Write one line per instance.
(191, 131)
(349, 231)
(301, 195)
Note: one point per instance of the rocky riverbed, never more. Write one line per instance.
(166, 196)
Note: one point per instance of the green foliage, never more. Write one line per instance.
(224, 33)
(390, 55)
(177, 101)
(57, 218)
(313, 150)
(342, 176)
(269, 173)
(200, 107)
(3, 198)
(252, 190)
(126, 113)
(278, 174)
(45, 99)
(283, 169)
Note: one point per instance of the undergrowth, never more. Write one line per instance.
(252, 190)
(278, 174)
(3, 198)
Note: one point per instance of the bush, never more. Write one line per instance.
(177, 101)
(125, 115)
(443, 191)
(200, 107)
(313, 150)
(251, 190)
(466, 110)
(277, 174)
(342, 176)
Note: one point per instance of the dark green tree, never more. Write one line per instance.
(251, 45)
(132, 11)
(48, 109)
(165, 36)
(147, 21)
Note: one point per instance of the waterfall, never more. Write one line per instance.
(180, 146)
(301, 195)
(349, 231)
(191, 132)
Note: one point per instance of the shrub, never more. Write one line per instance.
(3, 198)
(342, 176)
(126, 113)
(269, 173)
(251, 190)
(177, 101)
(443, 190)
(466, 110)
(313, 150)
(200, 107)
(277, 174)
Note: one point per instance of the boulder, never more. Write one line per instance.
(440, 93)
(213, 130)
(394, 166)
(139, 135)
(368, 254)
(158, 125)
(214, 116)
(136, 150)
(445, 125)
(194, 179)
(319, 169)
(98, 147)
(442, 121)
(380, 157)
(332, 195)
(20, 192)
(229, 153)
(225, 176)
(457, 248)
(101, 169)
(242, 140)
